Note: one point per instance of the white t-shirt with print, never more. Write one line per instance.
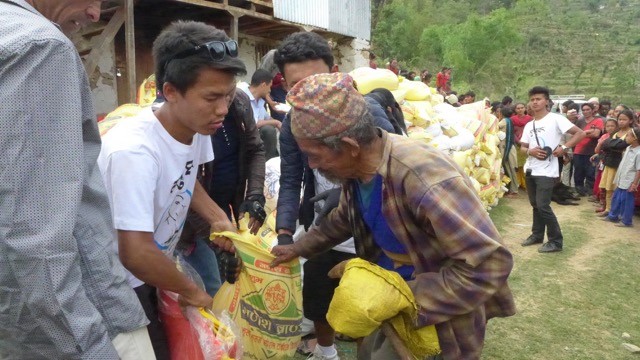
(150, 177)
(549, 129)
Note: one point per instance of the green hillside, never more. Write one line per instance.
(503, 47)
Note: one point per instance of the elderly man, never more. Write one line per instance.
(410, 209)
(63, 291)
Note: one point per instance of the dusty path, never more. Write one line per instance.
(599, 234)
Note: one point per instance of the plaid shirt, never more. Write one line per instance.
(432, 208)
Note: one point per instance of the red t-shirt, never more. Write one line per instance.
(395, 70)
(518, 124)
(441, 80)
(587, 146)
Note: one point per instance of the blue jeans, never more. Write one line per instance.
(584, 174)
(539, 189)
(203, 259)
(622, 206)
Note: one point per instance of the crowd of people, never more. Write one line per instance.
(596, 150)
(90, 226)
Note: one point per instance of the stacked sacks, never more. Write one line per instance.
(468, 133)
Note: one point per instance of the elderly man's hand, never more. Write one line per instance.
(283, 254)
(221, 241)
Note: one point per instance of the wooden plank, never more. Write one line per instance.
(262, 3)
(227, 7)
(130, 42)
(103, 41)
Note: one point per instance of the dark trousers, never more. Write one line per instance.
(148, 297)
(584, 174)
(269, 136)
(539, 189)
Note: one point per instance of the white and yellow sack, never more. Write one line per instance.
(265, 303)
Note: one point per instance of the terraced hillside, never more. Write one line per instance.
(589, 47)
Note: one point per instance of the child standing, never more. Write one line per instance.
(626, 180)
(611, 150)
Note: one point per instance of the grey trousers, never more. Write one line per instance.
(377, 347)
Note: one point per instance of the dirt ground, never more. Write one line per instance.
(600, 233)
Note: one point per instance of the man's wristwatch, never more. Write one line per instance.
(564, 148)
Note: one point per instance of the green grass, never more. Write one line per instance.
(569, 313)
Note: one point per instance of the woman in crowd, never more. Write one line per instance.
(626, 181)
(519, 120)
(507, 147)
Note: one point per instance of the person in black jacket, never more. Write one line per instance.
(300, 55)
(235, 181)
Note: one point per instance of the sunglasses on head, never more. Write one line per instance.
(216, 49)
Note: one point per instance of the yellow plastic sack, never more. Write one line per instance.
(399, 95)
(121, 112)
(368, 79)
(388, 297)
(265, 303)
(481, 174)
(416, 90)
(147, 91)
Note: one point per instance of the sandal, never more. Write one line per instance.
(306, 345)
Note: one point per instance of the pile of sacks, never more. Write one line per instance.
(469, 133)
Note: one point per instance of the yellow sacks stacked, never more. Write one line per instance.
(388, 298)
(468, 134)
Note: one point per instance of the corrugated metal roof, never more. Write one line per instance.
(352, 17)
(346, 17)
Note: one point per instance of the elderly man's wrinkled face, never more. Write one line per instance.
(70, 15)
(335, 165)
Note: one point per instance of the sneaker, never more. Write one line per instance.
(531, 240)
(608, 219)
(318, 355)
(549, 247)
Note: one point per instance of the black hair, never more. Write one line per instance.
(183, 73)
(471, 93)
(605, 102)
(507, 100)
(495, 106)
(261, 76)
(507, 111)
(461, 97)
(444, 69)
(372, 56)
(303, 46)
(385, 98)
(411, 77)
(629, 114)
(573, 106)
(567, 103)
(590, 105)
(539, 90)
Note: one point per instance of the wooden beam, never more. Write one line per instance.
(262, 3)
(227, 7)
(260, 39)
(233, 30)
(130, 42)
(106, 38)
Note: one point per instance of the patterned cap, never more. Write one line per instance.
(324, 105)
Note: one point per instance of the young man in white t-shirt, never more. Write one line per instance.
(541, 142)
(149, 163)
